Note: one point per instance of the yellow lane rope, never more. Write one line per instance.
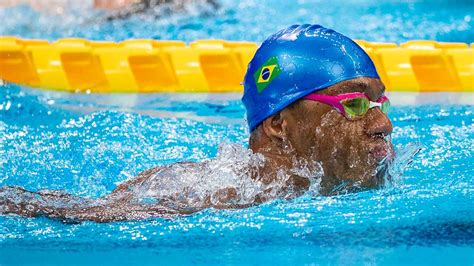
(79, 65)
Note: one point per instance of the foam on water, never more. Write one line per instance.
(233, 168)
(395, 168)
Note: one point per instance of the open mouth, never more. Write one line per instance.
(381, 149)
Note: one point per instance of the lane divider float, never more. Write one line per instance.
(144, 66)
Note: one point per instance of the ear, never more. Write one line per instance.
(275, 127)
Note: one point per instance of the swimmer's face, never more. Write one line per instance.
(351, 152)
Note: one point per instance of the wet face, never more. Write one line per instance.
(352, 153)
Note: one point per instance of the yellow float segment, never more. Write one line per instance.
(375, 45)
(16, 63)
(68, 65)
(153, 69)
(393, 65)
(73, 42)
(433, 71)
(463, 61)
(79, 65)
(139, 66)
(208, 44)
(222, 70)
(189, 74)
(150, 44)
(408, 69)
(244, 52)
(428, 44)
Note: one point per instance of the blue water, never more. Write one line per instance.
(86, 144)
(426, 217)
(254, 20)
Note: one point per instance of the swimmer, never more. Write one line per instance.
(118, 9)
(143, 6)
(316, 111)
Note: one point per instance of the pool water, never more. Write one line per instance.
(254, 20)
(87, 144)
(55, 141)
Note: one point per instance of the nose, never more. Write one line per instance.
(378, 123)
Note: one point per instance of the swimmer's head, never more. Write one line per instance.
(308, 92)
(297, 61)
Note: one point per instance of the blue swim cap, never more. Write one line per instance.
(295, 62)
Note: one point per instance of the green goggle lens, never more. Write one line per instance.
(385, 106)
(356, 107)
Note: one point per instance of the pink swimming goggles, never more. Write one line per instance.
(352, 105)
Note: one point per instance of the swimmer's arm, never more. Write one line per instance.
(143, 176)
(70, 209)
(225, 198)
(116, 206)
(228, 198)
(127, 185)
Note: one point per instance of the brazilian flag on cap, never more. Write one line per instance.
(266, 73)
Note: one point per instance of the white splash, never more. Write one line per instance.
(396, 168)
